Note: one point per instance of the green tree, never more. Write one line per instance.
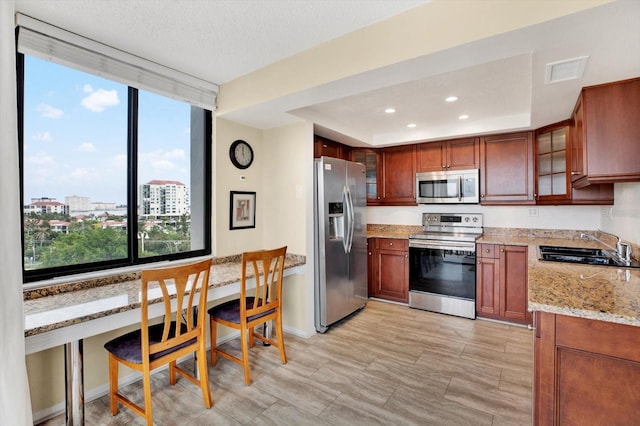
(93, 244)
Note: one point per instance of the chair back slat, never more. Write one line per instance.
(179, 286)
(268, 269)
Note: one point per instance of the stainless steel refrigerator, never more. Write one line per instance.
(340, 225)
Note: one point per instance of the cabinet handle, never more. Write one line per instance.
(502, 250)
(390, 244)
(479, 262)
(487, 251)
(574, 173)
(448, 166)
(406, 255)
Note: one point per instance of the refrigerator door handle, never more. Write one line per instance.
(350, 218)
(347, 221)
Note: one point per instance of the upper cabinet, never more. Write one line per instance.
(328, 148)
(370, 159)
(606, 129)
(391, 174)
(398, 171)
(506, 169)
(554, 148)
(458, 154)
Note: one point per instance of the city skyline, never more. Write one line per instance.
(75, 131)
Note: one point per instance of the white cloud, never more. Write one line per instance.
(87, 88)
(162, 165)
(42, 137)
(119, 160)
(48, 111)
(87, 147)
(174, 154)
(100, 99)
(84, 173)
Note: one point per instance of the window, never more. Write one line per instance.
(112, 175)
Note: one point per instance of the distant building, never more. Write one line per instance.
(163, 198)
(59, 226)
(46, 205)
(103, 206)
(77, 203)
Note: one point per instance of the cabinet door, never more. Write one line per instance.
(488, 287)
(506, 169)
(553, 158)
(370, 159)
(513, 284)
(371, 267)
(392, 270)
(399, 175)
(544, 369)
(463, 154)
(577, 143)
(431, 157)
(328, 148)
(610, 129)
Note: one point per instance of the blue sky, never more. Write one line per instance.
(75, 134)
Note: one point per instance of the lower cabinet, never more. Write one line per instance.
(586, 372)
(389, 269)
(501, 283)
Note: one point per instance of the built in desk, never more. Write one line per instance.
(67, 313)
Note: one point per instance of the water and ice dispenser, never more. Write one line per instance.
(336, 221)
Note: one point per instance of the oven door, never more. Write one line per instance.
(442, 277)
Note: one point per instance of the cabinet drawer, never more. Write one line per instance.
(606, 338)
(393, 244)
(488, 250)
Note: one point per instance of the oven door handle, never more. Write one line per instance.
(448, 245)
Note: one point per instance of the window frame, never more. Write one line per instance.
(133, 258)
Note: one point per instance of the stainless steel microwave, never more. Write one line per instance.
(448, 187)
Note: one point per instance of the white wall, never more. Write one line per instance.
(623, 219)
(548, 217)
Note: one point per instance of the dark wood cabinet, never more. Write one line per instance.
(607, 133)
(507, 169)
(398, 169)
(586, 371)
(501, 283)
(458, 154)
(371, 160)
(328, 148)
(389, 269)
(555, 153)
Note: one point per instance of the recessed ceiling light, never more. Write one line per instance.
(390, 110)
(451, 99)
(411, 125)
(463, 117)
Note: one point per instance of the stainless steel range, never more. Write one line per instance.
(442, 264)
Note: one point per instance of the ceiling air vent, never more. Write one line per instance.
(569, 69)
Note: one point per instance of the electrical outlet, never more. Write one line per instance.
(533, 212)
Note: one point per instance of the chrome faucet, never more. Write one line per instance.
(623, 250)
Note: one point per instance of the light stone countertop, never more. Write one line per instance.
(63, 305)
(604, 293)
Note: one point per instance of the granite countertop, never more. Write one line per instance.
(51, 308)
(604, 293)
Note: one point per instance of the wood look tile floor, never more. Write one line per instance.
(387, 364)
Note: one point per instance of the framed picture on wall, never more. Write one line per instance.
(242, 212)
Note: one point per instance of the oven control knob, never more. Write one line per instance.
(475, 219)
(466, 218)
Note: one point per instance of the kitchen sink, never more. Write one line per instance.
(582, 255)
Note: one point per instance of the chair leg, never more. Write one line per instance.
(245, 355)
(252, 342)
(280, 338)
(172, 373)
(146, 386)
(113, 384)
(213, 326)
(204, 374)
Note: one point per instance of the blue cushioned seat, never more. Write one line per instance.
(230, 311)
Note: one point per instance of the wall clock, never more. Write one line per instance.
(241, 154)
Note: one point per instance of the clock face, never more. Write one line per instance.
(241, 154)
